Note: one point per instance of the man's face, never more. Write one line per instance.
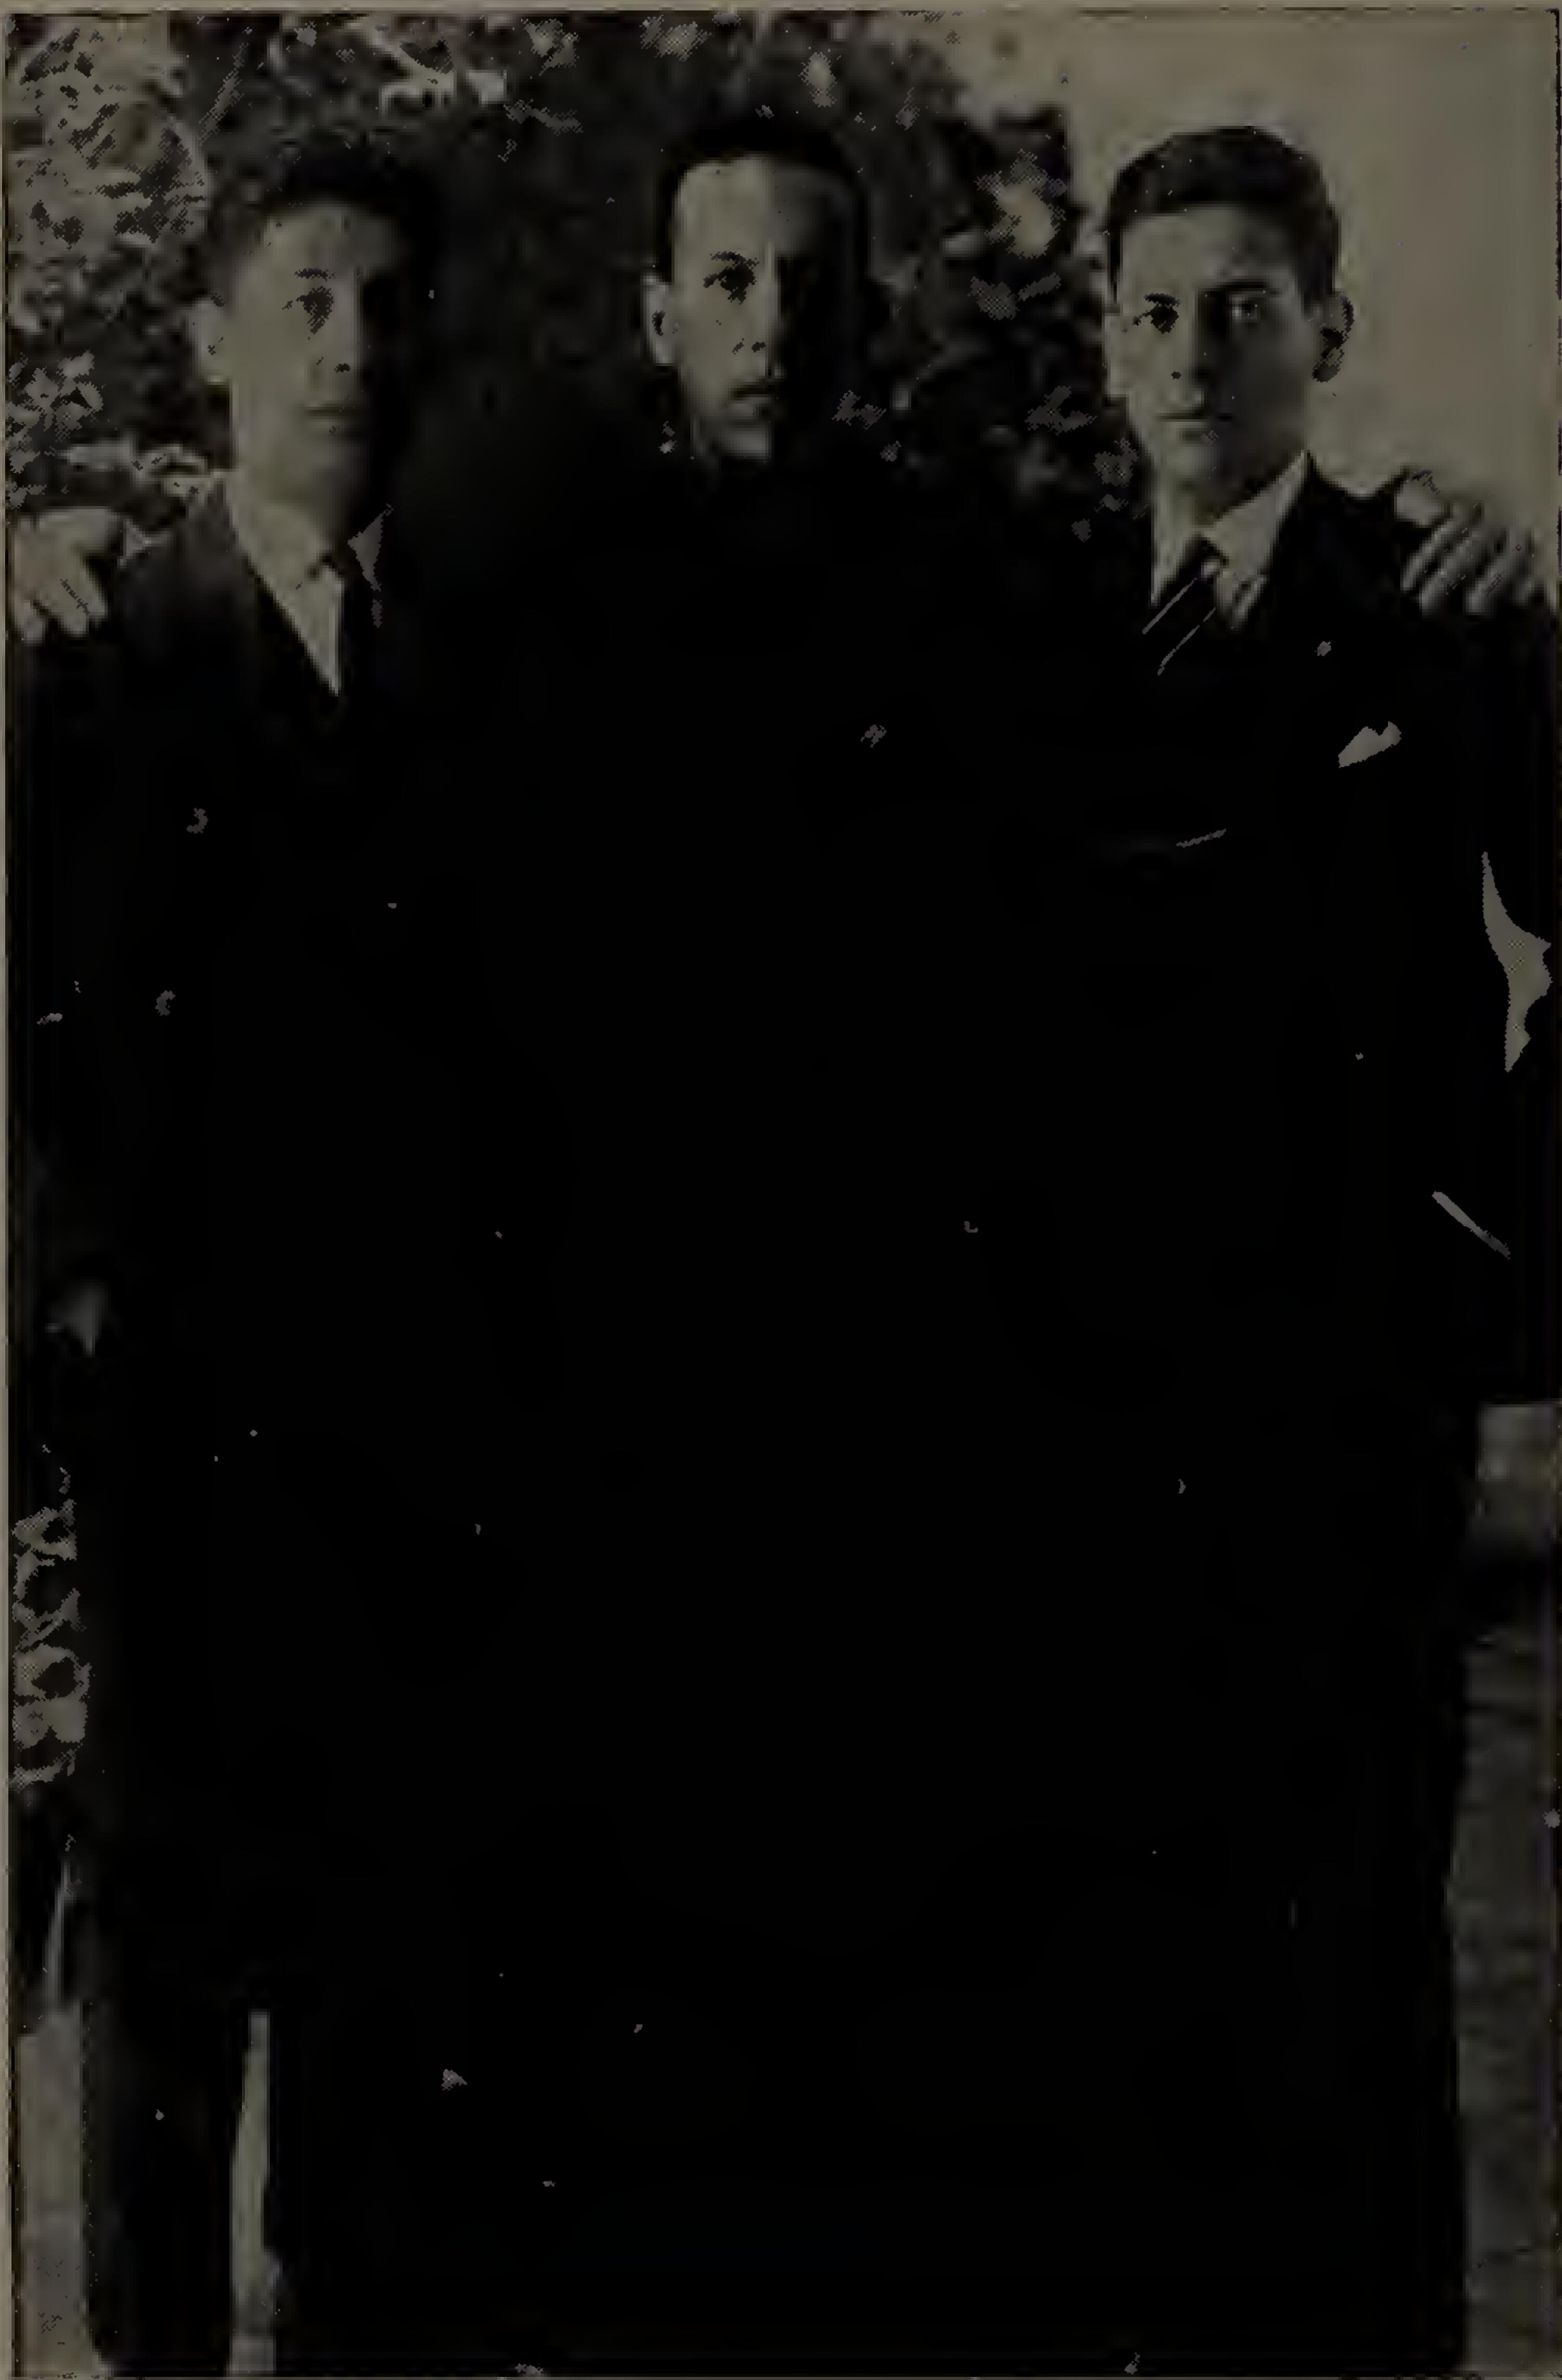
(313, 346)
(1214, 350)
(760, 315)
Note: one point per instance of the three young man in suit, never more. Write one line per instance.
(635, 935)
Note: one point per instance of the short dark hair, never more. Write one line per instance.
(756, 132)
(341, 172)
(1234, 165)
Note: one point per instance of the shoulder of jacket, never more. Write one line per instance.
(155, 597)
(1376, 544)
(180, 578)
(1362, 535)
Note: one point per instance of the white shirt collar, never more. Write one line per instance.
(366, 545)
(291, 557)
(1244, 538)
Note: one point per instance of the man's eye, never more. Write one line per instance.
(1248, 310)
(735, 281)
(1160, 318)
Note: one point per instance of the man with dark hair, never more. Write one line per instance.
(357, 174)
(755, 304)
(1273, 1226)
(779, 705)
(1236, 165)
(717, 880)
(754, 133)
(304, 1181)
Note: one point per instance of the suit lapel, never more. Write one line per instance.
(296, 752)
(1317, 584)
(276, 673)
(1119, 562)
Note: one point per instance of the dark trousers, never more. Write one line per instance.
(1145, 2049)
(1184, 2112)
(280, 1817)
(1148, 2053)
(385, 2148)
(163, 2069)
(1088, 2102)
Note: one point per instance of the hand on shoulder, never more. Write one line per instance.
(56, 559)
(1469, 555)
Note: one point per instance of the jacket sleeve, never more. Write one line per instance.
(59, 761)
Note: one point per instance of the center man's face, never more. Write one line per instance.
(760, 317)
(1214, 350)
(313, 346)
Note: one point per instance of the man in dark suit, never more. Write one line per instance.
(692, 876)
(1270, 1229)
(306, 1181)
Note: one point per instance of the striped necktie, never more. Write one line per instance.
(1185, 608)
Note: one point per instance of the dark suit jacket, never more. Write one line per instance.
(722, 901)
(1237, 916)
(1244, 1022)
(711, 748)
(320, 1188)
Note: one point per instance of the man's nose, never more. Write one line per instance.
(341, 342)
(767, 311)
(1194, 348)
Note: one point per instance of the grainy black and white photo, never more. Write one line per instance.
(782, 897)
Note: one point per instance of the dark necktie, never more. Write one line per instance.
(356, 628)
(1185, 609)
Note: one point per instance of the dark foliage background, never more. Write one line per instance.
(545, 132)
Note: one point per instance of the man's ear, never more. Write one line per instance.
(656, 318)
(1335, 319)
(207, 325)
